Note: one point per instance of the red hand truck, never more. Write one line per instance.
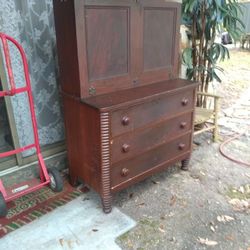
(51, 177)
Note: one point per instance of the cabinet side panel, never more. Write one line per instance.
(83, 142)
(67, 46)
(90, 134)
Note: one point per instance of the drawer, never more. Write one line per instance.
(129, 169)
(152, 111)
(134, 143)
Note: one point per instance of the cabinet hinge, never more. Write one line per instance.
(92, 91)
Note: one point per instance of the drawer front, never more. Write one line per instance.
(129, 169)
(134, 143)
(150, 112)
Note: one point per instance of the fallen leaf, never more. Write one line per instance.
(155, 182)
(69, 243)
(61, 242)
(195, 176)
(171, 214)
(230, 237)
(130, 243)
(247, 188)
(172, 200)
(207, 242)
(141, 204)
(240, 205)
(202, 173)
(224, 218)
(161, 229)
(242, 189)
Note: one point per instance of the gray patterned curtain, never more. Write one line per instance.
(31, 23)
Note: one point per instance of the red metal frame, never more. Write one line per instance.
(44, 176)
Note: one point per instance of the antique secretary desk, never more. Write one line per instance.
(127, 115)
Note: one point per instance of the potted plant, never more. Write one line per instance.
(206, 19)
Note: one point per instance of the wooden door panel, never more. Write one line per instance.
(107, 42)
(158, 38)
(105, 45)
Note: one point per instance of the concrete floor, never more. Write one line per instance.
(78, 225)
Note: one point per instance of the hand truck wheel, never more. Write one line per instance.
(56, 180)
(3, 206)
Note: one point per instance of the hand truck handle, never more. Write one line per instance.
(27, 88)
(12, 90)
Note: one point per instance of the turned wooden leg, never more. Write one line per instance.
(185, 164)
(73, 180)
(107, 204)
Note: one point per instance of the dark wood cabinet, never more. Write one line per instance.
(127, 115)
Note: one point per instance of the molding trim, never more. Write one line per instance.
(105, 163)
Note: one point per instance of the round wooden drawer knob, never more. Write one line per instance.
(125, 148)
(124, 172)
(125, 121)
(184, 102)
(135, 81)
(183, 125)
(182, 146)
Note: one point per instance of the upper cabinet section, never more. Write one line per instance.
(109, 45)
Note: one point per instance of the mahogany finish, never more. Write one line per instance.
(149, 160)
(126, 115)
(149, 137)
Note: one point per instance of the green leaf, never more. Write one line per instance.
(187, 57)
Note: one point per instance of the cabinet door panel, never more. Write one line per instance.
(107, 42)
(158, 38)
(105, 46)
(159, 44)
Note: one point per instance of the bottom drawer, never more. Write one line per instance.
(129, 169)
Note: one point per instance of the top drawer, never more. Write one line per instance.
(125, 120)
